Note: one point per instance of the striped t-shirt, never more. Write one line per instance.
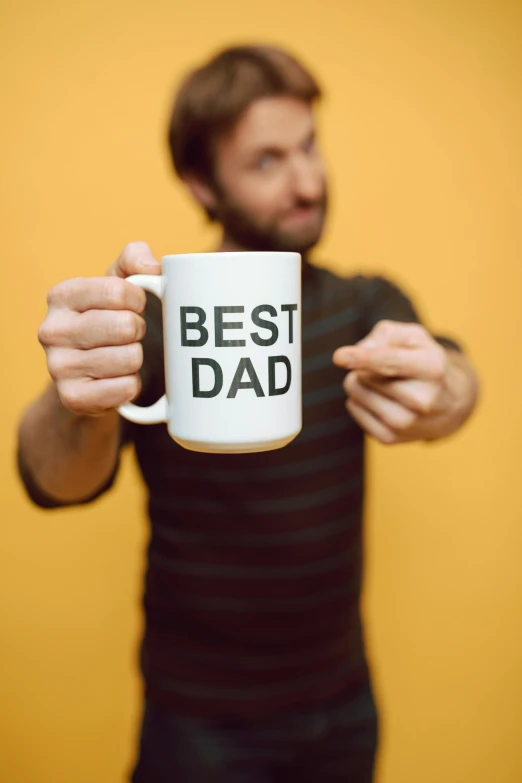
(254, 568)
(255, 560)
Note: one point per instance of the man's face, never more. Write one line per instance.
(270, 185)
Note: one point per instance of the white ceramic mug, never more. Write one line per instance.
(232, 334)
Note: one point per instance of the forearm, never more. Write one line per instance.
(70, 457)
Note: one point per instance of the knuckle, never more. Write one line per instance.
(45, 333)
(403, 422)
(86, 338)
(136, 296)
(131, 297)
(389, 367)
(55, 365)
(74, 284)
(53, 294)
(425, 403)
(134, 357)
(71, 397)
(137, 386)
(61, 294)
(58, 292)
(115, 293)
(132, 387)
(69, 287)
(439, 364)
(126, 327)
(348, 383)
(50, 332)
(419, 329)
(141, 327)
(385, 326)
(387, 438)
(130, 328)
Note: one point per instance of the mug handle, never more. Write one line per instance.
(158, 412)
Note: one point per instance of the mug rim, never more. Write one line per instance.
(247, 255)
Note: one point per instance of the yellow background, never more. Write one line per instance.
(422, 126)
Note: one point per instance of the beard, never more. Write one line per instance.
(247, 232)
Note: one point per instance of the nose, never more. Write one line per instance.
(308, 179)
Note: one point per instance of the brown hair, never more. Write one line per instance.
(212, 98)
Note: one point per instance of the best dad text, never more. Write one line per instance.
(197, 322)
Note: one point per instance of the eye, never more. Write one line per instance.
(266, 161)
(310, 145)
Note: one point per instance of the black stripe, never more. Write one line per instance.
(321, 598)
(323, 395)
(310, 302)
(313, 431)
(305, 535)
(302, 468)
(318, 362)
(272, 506)
(329, 324)
(262, 691)
(218, 570)
(249, 662)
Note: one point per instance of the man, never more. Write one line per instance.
(253, 655)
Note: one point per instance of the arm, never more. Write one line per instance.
(68, 457)
(404, 386)
(69, 438)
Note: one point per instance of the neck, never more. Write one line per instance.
(228, 245)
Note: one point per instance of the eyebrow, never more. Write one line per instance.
(268, 150)
(272, 149)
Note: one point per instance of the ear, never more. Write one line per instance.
(202, 192)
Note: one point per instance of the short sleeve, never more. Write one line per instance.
(385, 301)
(40, 498)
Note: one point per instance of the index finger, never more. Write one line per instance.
(391, 361)
(97, 293)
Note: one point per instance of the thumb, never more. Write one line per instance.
(345, 355)
(348, 355)
(136, 258)
(385, 335)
